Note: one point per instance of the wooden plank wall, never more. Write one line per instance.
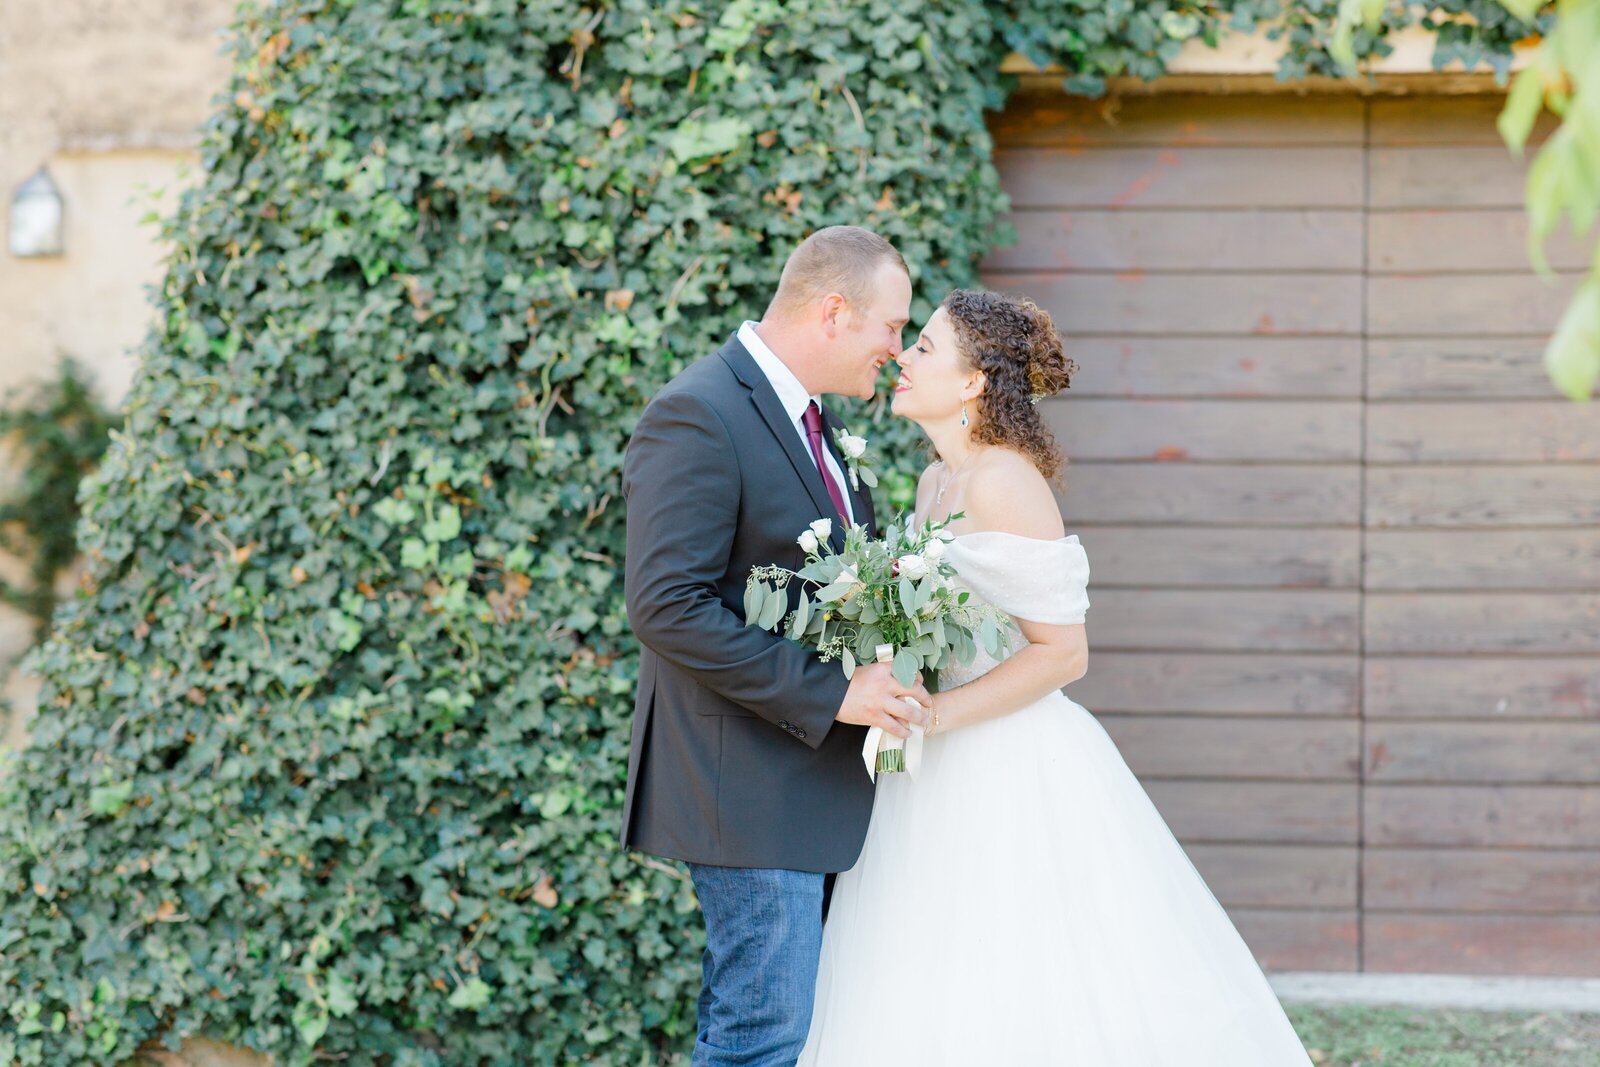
(1314, 459)
(1482, 607)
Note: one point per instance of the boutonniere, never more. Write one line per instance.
(854, 451)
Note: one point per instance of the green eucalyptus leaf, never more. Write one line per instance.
(773, 608)
(989, 635)
(906, 666)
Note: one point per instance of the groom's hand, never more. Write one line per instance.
(873, 699)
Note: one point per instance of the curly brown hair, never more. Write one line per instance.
(1013, 342)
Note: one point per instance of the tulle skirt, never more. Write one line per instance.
(1022, 902)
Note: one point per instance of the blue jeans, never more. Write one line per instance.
(759, 975)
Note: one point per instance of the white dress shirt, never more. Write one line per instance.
(794, 398)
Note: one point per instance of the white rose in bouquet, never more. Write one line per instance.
(807, 541)
(823, 529)
(911, 565)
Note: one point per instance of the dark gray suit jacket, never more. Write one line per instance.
(736, 758)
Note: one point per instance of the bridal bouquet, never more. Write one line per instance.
(888, 599)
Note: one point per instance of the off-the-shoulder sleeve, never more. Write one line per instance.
(1025, 577)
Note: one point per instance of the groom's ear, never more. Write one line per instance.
(832, 307)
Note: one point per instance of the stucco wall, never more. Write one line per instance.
(91, 302)
(107, 94)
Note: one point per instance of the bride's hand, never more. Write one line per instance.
(874, 699)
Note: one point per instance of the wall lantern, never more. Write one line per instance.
(36, 217)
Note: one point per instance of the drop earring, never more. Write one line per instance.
(964, 411)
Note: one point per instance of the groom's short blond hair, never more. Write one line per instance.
(835, 259)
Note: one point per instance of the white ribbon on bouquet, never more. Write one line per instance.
(879, 740)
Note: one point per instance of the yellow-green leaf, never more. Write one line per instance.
(1522, 108)
(1573, 355)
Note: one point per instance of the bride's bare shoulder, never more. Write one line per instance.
(1009, 495)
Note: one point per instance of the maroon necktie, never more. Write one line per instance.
(813, 422)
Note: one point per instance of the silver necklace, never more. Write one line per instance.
(938, 497)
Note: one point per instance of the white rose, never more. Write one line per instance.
(807, 541)
(933, 549)
(823, 529)
(853, 447)
(912, 565)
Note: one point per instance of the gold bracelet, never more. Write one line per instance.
(933, 706)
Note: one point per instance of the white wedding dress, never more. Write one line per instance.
(1022, 903)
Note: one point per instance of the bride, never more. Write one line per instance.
(1022, 902)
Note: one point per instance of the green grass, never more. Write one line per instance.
(1351, 1036)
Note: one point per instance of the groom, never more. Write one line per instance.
(746, 756)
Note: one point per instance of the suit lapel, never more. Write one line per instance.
(766, 402)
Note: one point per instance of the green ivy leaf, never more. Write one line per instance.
(698, 139)
(1179, 25)
(445, 526)
(414, 553)
(310, 1021)
(555, 805)
(110, 799)
(394, 512)
(341, 995)
(471, 996)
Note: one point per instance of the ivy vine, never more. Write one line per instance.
(56, 433)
